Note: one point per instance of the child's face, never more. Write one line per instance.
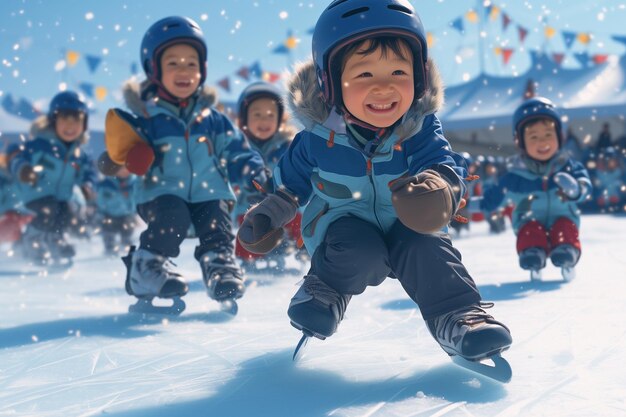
(378, 89)
(541, 140)
(69, 128)
(262, 119)
(180, 70)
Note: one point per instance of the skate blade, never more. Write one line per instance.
(229, 307)
(299, 352)
(145, 306)
(500, 370)
(568, 274)
(535, 275)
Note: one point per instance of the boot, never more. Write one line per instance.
(59, 246)
(222, 276)
(108, 239)
(532, 259)
(565, 256)
(317, 308)
(34, 246)
(150, 277)
(470, 332)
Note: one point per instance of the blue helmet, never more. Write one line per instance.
(168, 31)
(254, 91)
(345, 21)
(532, 109)
(66, 101)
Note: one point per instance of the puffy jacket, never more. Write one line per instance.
(326, 170)
(196, 153)
(62, 166)
(531, 187)
(115, 196)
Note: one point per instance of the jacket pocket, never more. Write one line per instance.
(315, 210)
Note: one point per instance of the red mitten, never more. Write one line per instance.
(139, 158)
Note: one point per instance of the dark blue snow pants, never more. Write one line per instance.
(169, 217)
(355, 254)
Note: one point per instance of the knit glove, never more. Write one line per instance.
(140, 158)
(28, 175)
(262, 226)
(569, 187)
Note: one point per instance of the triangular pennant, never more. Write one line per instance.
(506, 55)
(495, 11)
(583, 58)
(271, 77)
(506, 21)
(472, 16)
(600, 58)
(558, 58)
(224, 83)
(458, 24)
(244, 73)
(93, 61)
(101, 93)
(291, 42)
(133, 68)
(87, 88)
(584, 38)
(569, 38)
(522, 32)
(72, 57)
(488, 10)
(549, 32)
(255, 69)
(619, 38)
(280, 49)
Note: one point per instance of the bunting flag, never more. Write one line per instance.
(584, 38)
(488, 9)
(255, 69)
(506, 21)
(472, 16)
(495, 11)
(569, 38)
(244, 73)
(224, 83)
(549, 32)
(583, 58)
(458, 24)
(619, 38)
(497, 50)
(72, 57)
(291, 41)
(93, 61)
(522, 32)
(430, 39)
(558, 58)
(133, 68)
(506, 55)
(271, 77)
(600, 58)
(281, 49)
(88, 89)
(101, 93)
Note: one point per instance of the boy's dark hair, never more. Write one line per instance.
(385, 43)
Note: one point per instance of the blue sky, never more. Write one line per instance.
(34, 34)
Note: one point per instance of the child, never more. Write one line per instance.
(48, 167)
(185, 153)
(116, 205)
(608, 180)
(12, 218)
(378, 179)
(260, 108)
(544, 184)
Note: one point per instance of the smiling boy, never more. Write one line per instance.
(378, 179)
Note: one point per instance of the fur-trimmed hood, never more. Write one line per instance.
(42, 128)
(306, 104)
(132, 92)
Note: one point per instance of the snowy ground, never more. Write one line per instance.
(68, 347)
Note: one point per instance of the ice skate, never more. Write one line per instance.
(34, 247)
(147, 277)
(316, 309)
(223, 279)
(59, 246)
(566, 257)
(470, 335)
(533, 260)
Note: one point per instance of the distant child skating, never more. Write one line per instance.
(184, 151)
(261, 114)
(47, 168)
(378, 179)
(545, 185)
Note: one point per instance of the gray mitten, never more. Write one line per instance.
(106, 165)
(568, 186)
(28, 175)
(262, 226)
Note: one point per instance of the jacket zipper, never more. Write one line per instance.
(368, 171)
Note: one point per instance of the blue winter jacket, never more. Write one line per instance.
(531, 187)
(115, 196)
(59, 167)
(9, 199)
(325, 169)
(196, 156)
